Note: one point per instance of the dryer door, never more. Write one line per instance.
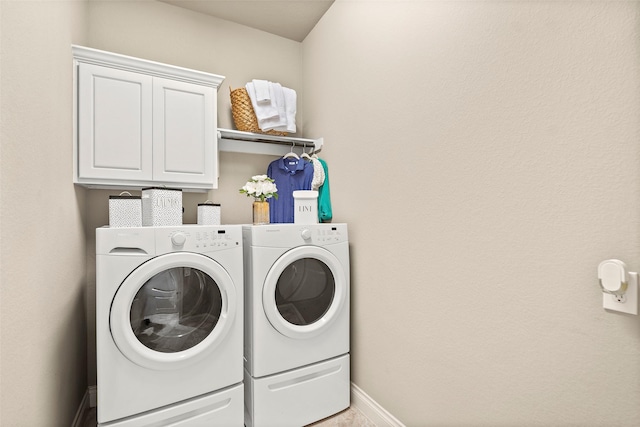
(304, 291)
(173, 310)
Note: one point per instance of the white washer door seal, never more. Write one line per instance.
(119, 318)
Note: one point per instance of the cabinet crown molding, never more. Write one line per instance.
(129, 63)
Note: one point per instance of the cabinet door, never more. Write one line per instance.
(114, 124)
(184, 140)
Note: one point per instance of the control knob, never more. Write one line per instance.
(306, 234)
(178, 239)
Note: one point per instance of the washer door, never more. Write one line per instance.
(304, 292)
(173, 310)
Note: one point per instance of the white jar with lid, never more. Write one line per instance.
(125, 210)
(305, 205)
(208, 213)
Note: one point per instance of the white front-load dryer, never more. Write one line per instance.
(296, 323)
(169, 322)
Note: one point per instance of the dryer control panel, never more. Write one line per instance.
(291, 235)
(322, 235)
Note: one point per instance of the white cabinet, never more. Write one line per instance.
(114, 124)
(142, 123)
(184, 132)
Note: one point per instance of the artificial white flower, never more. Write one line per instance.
(260, 187)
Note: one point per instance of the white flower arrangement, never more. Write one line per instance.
(260, 187)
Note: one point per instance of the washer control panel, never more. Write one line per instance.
(218, 238)
(197, 238)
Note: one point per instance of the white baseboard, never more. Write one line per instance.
(82, 411)
(89, 401)
(93, 396)
(371, 409)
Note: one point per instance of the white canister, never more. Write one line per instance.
(208, 213)
(161, 206)
(125, 210)
(305, 205)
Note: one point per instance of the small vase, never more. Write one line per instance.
(260, 212)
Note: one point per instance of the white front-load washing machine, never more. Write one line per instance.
(169, 317)
(296, 323)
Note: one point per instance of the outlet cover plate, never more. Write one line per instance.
(628, 304)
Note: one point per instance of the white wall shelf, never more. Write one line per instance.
(236, 141)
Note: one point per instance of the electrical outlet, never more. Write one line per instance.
(627, 303)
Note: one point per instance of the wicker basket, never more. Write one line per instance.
(243, 115)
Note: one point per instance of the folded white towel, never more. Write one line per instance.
(277, 100)
(264, 111)
(290, 100)
(262, 91)
(277, 110)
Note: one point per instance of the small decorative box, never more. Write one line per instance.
(161, 206)
(305, 205)
(125, 210)
(208, 213)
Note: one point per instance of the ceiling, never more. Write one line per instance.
(292, 19)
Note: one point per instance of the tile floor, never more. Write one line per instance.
(350, 417)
